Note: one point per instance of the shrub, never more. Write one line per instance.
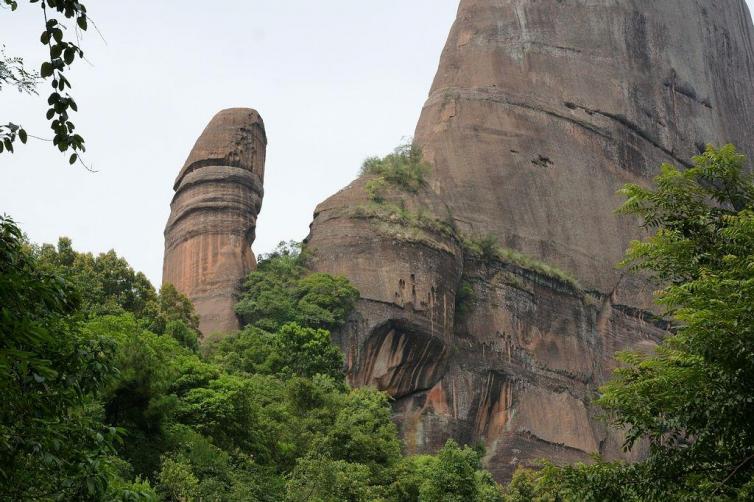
(487, 250)
(405, 168)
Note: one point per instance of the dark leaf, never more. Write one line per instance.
(46, 70)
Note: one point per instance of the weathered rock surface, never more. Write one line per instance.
(541, 110)
(218, 195)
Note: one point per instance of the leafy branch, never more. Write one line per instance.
(62, 55)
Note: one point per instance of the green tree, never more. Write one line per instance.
(53, 443)
(307, 352)
(291, 351)
(281, 291)
(455, 476)
(261, 415)
(363, 431)
(318, 478)
(106, 283)
(693, 399)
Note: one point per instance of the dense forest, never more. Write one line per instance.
(108, 393)
(108, 396)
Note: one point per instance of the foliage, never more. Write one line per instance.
(281, 291)
(52, 441)
(306, 352)
(13, 73)
(62, 54)
(322, 479)
(692, 399)
(465, 298)
(375, 189)
(702, 252)
(264, 414)
(487, 249)
(596, 482)
(107, 285)
(455, 476)
(405, 168)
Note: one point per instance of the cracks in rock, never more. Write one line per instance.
(542, 161)
(531, 436)
(630, 126)
(686, 90)
(500, 97)
(644, 316)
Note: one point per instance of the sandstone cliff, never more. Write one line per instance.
(218, 195)
(540, 111)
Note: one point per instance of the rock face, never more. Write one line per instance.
(540, 111)
(218, 195)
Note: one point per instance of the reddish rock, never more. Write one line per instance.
(541, 110)
(218, 195)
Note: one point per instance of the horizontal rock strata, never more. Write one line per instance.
(218, 195)
(540, 111)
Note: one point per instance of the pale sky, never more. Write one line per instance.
(334, 80)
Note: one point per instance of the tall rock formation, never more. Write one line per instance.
(540, 111)
(218, 195)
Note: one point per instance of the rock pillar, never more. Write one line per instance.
(218, 195)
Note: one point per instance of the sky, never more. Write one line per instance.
(335, 81)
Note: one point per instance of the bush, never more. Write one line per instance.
(487, 249)
(405, 168)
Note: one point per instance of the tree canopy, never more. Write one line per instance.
(111, 398)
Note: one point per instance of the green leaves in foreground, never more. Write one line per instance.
(61, 54)
(693, 399)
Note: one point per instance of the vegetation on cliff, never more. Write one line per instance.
(487, 249)
(405, 169)
(692, 399)
(400, 214)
